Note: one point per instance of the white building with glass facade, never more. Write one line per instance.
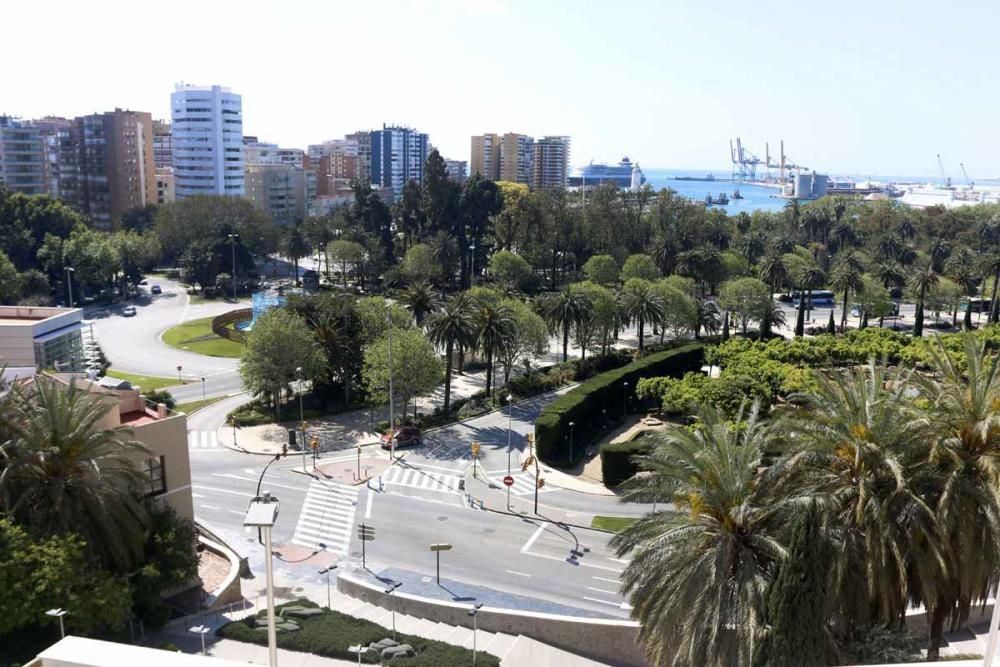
(207, 141)
(33, 337)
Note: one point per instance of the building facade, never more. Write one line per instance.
(485, 157)
(516, 152)
(34, 337)
(22, 157)
(165, 192)
(550, 163)
(363, 140)
(279, 190)
(163, 145)
(207, 137)
(398, 156)
(458, 170)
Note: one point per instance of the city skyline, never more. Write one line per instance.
(667, 85)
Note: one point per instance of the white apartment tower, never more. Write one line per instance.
(207, 133)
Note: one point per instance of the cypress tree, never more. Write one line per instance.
(796, 603)
(725, 327)
(831, 326)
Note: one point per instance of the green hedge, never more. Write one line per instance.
(329, 635)
(616, 459)
(601, 397)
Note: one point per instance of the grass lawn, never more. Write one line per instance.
(615, 524)
(197, 336)
(146, 382)
(191, 406)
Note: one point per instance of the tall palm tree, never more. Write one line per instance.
(960, 267)
(419, 298)
(642, 304)
(496, 330)
(857, 445)
(920, 282)
(962, 397)
(772, 270)
(989, 267)
(63, 473)
(699, 573)
(454, 324)
(295, 246)
(562, 310)
(846, 277)
(808, 278)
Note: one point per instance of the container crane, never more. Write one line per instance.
(944, 175)
(969, 185)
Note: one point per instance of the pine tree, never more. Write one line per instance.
(796, 604)
(831, 326)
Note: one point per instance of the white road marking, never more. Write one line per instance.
(269, 485)
(565, 560)
(612, 604)
(613, 581)
(215, 490)
(368, 505)
(209, 507)
(531, 540)
(601, 590)
(520, 574)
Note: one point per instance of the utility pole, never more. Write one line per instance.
(392, 416)
(233, 237)
(69, 285)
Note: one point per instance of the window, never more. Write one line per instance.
(157, 483)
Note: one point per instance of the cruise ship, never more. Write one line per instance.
(595, 174)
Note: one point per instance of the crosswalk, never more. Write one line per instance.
(327, 516)
(426, 480)
(203, 440)
(524, 482)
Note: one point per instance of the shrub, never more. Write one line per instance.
(584, 405)
(616, 459)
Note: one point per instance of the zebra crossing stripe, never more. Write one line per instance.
(203, 440)
(415, 478)
(327, 516)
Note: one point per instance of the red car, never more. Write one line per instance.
(407, 436)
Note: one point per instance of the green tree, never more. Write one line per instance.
(919, 283)
(807, 278)
(210, 219)
(419, 299)
(10, 281)
(510, 270)
(796, 601)
(279, 343)
(420, 265)
(772, 270)
(846, 277)
(698, 574)
(416, 367)
(453, 325)
(496, 331)
(170, 560)
(561, 311)
(62, 472)
(961, 267)
(640, 266)
(294, 245)
(350, 254)
(748, 299)
(530, 340)
(641, 305)
(593, 327)
(602, 270)
(873, 301)
(375, 313)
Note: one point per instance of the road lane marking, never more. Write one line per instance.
(215, 490)
(574, 562)
(247, 479)
(601, 590)
(531, 540)
(368, 505)
(612, 581)
(520, 574)
(612, 604)
(209, 507)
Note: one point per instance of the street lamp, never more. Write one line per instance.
(180, 380)
(203, 389)
(200, 630)
(510, 417)
(69, 285)
(392, 417)
(302, 418)
(327, 571)
(625, 401)
(58, 613)
(389, 591)
(262, 514)
(571, 425)
(472, 271)
(475, 626)
(233, 238)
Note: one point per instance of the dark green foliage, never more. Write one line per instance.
(796, 604)
(329, 635)
(161, 396)
(831, 326)
(171, 559)
(616, 459)
(599, 398)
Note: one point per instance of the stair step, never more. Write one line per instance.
(482, 639)
(500, 644)
(353, 608)
(458, 635)
(408, 624)
(439, 631)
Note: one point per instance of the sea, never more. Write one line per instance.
(755, 197)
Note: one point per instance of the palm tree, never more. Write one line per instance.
(772, 270)
(961, 268)
(920, 283)
(708, 318)
(698, 576)
(63, 473)
(989, 266)
(641, 304)
(419, 298)
(808, 278)
(773, 317)
(294, 245)
(496, 329)
(454, 324)
(562, 310)
(846, 277)
(962, 397)
(857, 446)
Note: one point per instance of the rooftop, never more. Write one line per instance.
(25, 315)
(82, 652)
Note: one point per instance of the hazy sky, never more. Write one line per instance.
(871, 88)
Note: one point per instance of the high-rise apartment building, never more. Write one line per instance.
(165, 192)
(114, 172)
(364, 163)
(279, 190)
(550, 163)
(207, 133)
(398, 156)
(163, 145)
(62, 155)
(485, 158)
(458, 170)
(515, 157)
(22, 157)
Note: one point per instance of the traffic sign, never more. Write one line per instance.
(366, 533)
(508, 481)
(440, 547)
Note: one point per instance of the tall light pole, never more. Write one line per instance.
(262, 514)
(327, 571)
(69, 285)
(389, 591)
(58, 613)
(302, 418)
(472, 271)
(625, 401)
(203, 389)
(202, 631)
(510, 417)
(392, 416)
(571, 425)
(233, 238)
(475, 627)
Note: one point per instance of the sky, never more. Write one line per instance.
(869, 88)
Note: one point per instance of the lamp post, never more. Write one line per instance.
(389, 591)
(510, 417)
(180, 380)
(203, 389)
(58, 613)
(625, 401)
(233, 238)
(200, 630)
(472, 271)
(327, 571)
(392, 416)
(69, 285)
(475, 628)
(302, 418)
(262, 514)
(571, 425)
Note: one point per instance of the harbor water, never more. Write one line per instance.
(755, 197)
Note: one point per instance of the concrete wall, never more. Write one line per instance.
(611, 641)
(168, 438)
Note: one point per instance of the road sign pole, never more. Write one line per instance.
(438, 567)
(364, 566)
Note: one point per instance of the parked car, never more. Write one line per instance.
(155, 289)
(143, 282)
(128, 311)
(408, 436)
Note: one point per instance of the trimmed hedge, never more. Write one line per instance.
(331, 633)
(588, 404)
(616, 459)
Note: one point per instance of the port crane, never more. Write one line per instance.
(944, 176)
(744, 162)
(969, 185)
(782, 165)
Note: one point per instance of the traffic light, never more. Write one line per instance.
(528, 462)
(541, 482)
(475, 449)
(314, 442)
(284, 450)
